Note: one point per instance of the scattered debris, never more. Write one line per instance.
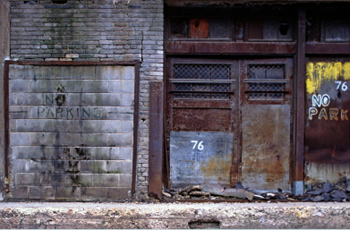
(199, 193)
(328, 192)
(166, 194)
(322, 192)
(216, 189)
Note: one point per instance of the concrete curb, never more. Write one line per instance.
(174, 215)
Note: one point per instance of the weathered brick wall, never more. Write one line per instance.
(95, 30)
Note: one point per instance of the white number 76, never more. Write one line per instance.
(200, 145)
(341, 84)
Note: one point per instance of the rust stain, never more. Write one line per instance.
(216, 167)
(267, 161)
(201, 120)
(333, 153)
(266, 146)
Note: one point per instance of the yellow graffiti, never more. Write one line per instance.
(346, 71)
(320, 72)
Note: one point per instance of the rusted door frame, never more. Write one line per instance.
(298, 185)
(156, 139)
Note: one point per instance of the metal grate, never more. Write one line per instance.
(201, 88)
(263, 72)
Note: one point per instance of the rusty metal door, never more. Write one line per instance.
(266, 96)
(327, 136)
(229, 121)
(201, 112)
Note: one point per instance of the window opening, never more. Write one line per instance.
(30, 2)
(266, 82)
(199, 28)
(202, 81)
(337, 31)
(269, 29)
(59, 1)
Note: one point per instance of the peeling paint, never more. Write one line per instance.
(320, 72)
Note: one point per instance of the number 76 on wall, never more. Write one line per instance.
(197, 144)
(341, 85)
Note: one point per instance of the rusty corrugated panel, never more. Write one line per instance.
(156, 139)
(266, 146)
(327, 135)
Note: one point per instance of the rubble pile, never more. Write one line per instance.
(322, 192)
(328, 192)
(218, 192)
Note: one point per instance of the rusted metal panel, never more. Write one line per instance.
(201, 104)
(255, 28)
(266, 146)
(300, 101)
(199, 28)
(201, 3)
(201, 120)
(198, 157)
(156, 139)
(322, 48)
(136, 121)
(327, 136)
(7, 126)
(187, 47)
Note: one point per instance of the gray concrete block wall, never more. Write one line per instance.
(103, 30)
(68, 148)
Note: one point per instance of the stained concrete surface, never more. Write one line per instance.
(174, 215)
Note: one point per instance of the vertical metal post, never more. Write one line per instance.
(156, 139)
(136, 125)
(4, 70)
(298, 183)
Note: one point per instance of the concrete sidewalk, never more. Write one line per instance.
(174, 215)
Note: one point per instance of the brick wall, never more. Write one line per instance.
(95, 30)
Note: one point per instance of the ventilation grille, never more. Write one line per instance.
(266, 78)
(205, 81)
